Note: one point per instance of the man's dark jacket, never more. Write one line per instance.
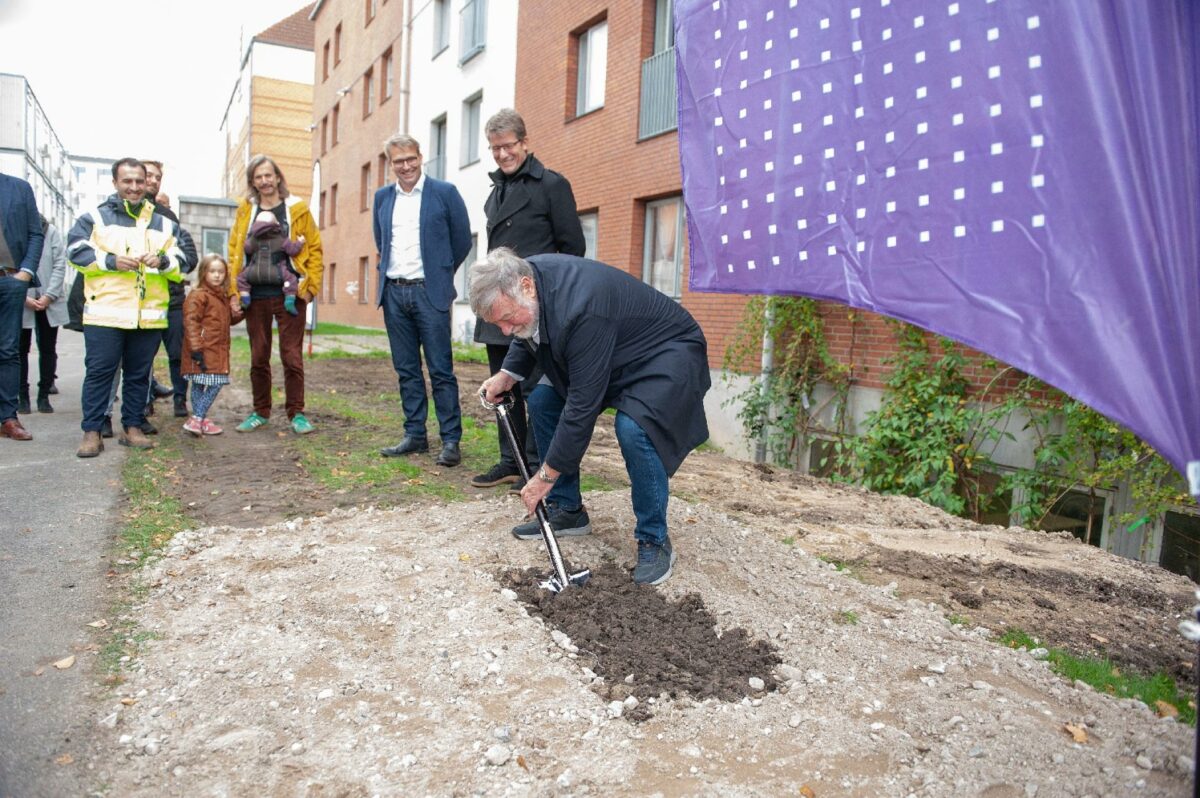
(536, 217)
(190, 257)
(22, 224)
(610, 340)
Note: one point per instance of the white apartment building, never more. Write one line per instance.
(462, 70)
(31, 150)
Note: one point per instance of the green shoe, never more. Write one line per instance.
(301, 425)
(252, 422)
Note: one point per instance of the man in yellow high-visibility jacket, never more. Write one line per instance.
(127, 253)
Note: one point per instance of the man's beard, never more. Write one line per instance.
(529, 329)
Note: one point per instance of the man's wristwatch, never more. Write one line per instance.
(544, 477)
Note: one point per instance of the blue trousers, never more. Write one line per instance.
(12, 307)
(106, 350)
(648, 485)
(415, 325)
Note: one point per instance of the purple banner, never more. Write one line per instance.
(1020, 176)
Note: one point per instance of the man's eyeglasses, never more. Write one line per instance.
(505, 148)
(409, 161)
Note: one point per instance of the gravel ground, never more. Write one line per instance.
(373, 652)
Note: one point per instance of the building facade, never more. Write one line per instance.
(270, 107)
(32, 151)
(357, 104)
(93, 181)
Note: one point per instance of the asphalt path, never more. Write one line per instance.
(57, 521)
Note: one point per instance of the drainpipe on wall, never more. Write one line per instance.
(406, 82)
(766, 364)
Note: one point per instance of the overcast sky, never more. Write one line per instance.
(149, 80)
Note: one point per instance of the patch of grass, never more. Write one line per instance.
(1105, 677)
(338, 352)
(958, 620)
(709, 446)
(790, 540)
(152, 513)
(470, 353)
(846, 618)
(330, 328)
(596, 482)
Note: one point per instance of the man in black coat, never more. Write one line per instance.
(604, 339)
(531, 210)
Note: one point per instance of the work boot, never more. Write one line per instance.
(91, 445)
(43, 402)
(106, 427)
(23, 402)
(135, 438)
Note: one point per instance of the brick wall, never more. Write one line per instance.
(360, 141)
(280, 113)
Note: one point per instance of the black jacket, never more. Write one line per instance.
(190, 258)
(609, 340)
(536, 217)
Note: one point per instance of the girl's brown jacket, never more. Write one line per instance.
(206, 322)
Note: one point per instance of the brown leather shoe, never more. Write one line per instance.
(91, 445)
(13, 429)
(135, 438)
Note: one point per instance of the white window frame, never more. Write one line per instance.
(472, 130)
(592, 69)
(648, 262)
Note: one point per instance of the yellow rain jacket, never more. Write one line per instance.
(307, 264)
(125, 300)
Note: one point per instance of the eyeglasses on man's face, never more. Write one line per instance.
(404, 163)
(507, 148)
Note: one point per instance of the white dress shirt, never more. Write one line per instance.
(405, 259)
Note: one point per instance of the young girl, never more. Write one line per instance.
(207, 318)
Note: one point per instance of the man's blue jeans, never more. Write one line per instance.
(106, 350)
(12, 306)
(413, 324)
(648, 485)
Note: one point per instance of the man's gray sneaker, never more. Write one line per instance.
(654, 563)
(565, 523)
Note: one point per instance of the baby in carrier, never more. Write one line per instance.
(268, 260)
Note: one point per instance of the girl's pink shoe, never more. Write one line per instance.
(194, 425)
(210, 428)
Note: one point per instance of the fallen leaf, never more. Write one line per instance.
(521, 762)
(128, 701)
(65, 759)
(65, 662)
(39, 671)
(100, 624)
(1166, 710)
(807, 792)
(1097, 638)
(689, 520)
(1077, 732)
(464, 557)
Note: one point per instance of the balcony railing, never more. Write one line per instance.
(658, 95)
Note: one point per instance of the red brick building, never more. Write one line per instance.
(357, 105)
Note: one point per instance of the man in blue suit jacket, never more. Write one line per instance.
(21, 240)
(423, 235)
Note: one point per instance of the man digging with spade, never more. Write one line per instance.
(604, 339)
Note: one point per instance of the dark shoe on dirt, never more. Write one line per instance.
(43, 403)
(450, 456)
(135, 439)
(91, 445)
(516, 487)
(565, 523)
(654, 563)
(106, 428)
(496, 475)
(409, 445)
(148, 428)
(161, 391)
(181, 410)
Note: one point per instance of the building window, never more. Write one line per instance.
(436, 165)
(473, 24)
(333, 209)
(331, 284)
(381, 170)
(657, 113)
(385, 85)
(590, 222)
(441, 26)
(214, 240)
(462, 278)
(1180, 550)
(337, 124)
(325, 62)
(364, 277)
(364, 187)
(321, 212)
(368, 92)
(662, 259)
(470, 130)
(372, 7)
(593, 53)
(324, 133)
(664, 25)
(337, 44)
